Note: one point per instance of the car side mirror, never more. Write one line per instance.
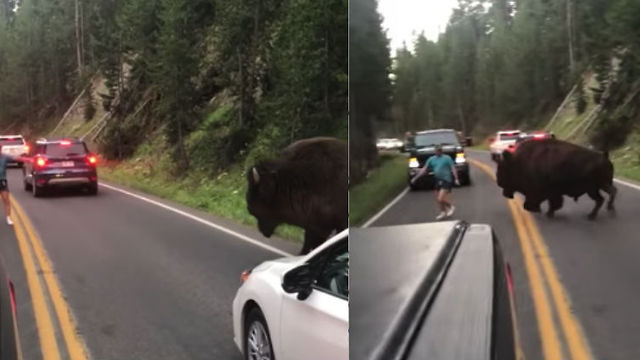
(469, 141)
(298, 280)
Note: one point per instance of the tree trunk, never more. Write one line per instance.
(241, 75)
(570, 37)
(78, 47)
(463, 124)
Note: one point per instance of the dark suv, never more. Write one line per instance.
(422, 147)
(60, 162)
(435, 291)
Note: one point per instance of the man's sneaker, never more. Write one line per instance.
(451, 210)
(441, 216)
(9, 222)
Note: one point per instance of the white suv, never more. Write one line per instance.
(14, 145)
(296, 307)
(503, 141)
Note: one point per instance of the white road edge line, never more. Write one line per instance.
(626, 183)
(202, 221)
(387, 207)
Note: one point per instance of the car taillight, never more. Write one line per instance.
(65, 143)
(12, 293)
(40, 162)
(539, 136)
(245, 275)
(509, 280)
(26, 148)
(92, 160)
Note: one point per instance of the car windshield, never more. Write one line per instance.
(436, 138)
(11, 141)
(510, 136)
(59, 150)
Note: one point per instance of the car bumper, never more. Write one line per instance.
(65, 178)
(428, 180)
(237, 306)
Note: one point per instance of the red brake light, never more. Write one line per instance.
(539, 136)
(27, 148)
(92, 160)
(40, 162)
(65, 142)
(12, 293)
(245, 275)
(509, 279)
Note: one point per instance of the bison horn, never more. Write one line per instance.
(256, 175)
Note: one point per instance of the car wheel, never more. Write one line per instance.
(257, 341)
(36, 190)
(27, 186)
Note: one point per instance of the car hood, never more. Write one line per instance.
(279, 265)
(426, 152)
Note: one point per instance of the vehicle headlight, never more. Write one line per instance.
(460, 158)
(413, 162)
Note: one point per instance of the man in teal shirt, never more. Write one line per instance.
(444, 172)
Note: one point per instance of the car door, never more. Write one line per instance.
(316, 328)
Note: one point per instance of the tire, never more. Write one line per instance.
(37, 191)
(255, 328)
(27, 186)
(93, 189)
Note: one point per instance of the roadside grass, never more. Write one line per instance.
(222, 195)
(626, 161)
(382, 185)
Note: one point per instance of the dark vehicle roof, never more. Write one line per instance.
(421, 291)
(57, 139)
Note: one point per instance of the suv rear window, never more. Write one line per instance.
(58, 150)
(11, 141)
(510, 136)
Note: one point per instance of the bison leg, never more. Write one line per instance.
(597, 197)
(612, 191)
(532, 205)
(313, 239)
(555, 203)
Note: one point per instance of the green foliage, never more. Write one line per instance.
(369, 84)
(281, 67)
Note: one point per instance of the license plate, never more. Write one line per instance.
(68, 164)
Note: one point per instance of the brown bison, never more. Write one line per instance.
(306, 186)
(549, 169)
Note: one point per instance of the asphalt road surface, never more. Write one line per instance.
(140, 281)
(578, 287)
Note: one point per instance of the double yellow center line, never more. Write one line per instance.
(39, 270)
(544, 280)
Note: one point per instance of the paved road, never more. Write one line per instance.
(142, 282)
(596, 263)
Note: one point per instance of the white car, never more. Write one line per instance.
(296, 307)
(14, 145)
(503, 141)
(389, 144)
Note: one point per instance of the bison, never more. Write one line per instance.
(549, 169)
(306, 186)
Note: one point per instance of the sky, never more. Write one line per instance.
(405, 19)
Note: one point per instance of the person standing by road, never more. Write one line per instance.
(443, 168)
(4, 186)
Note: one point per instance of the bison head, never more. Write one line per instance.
(504, 174)
(261, 193)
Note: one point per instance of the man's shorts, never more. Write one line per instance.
(444, 185)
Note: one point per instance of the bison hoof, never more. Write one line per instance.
(591, 217)
(550, 215)
(611, 208)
